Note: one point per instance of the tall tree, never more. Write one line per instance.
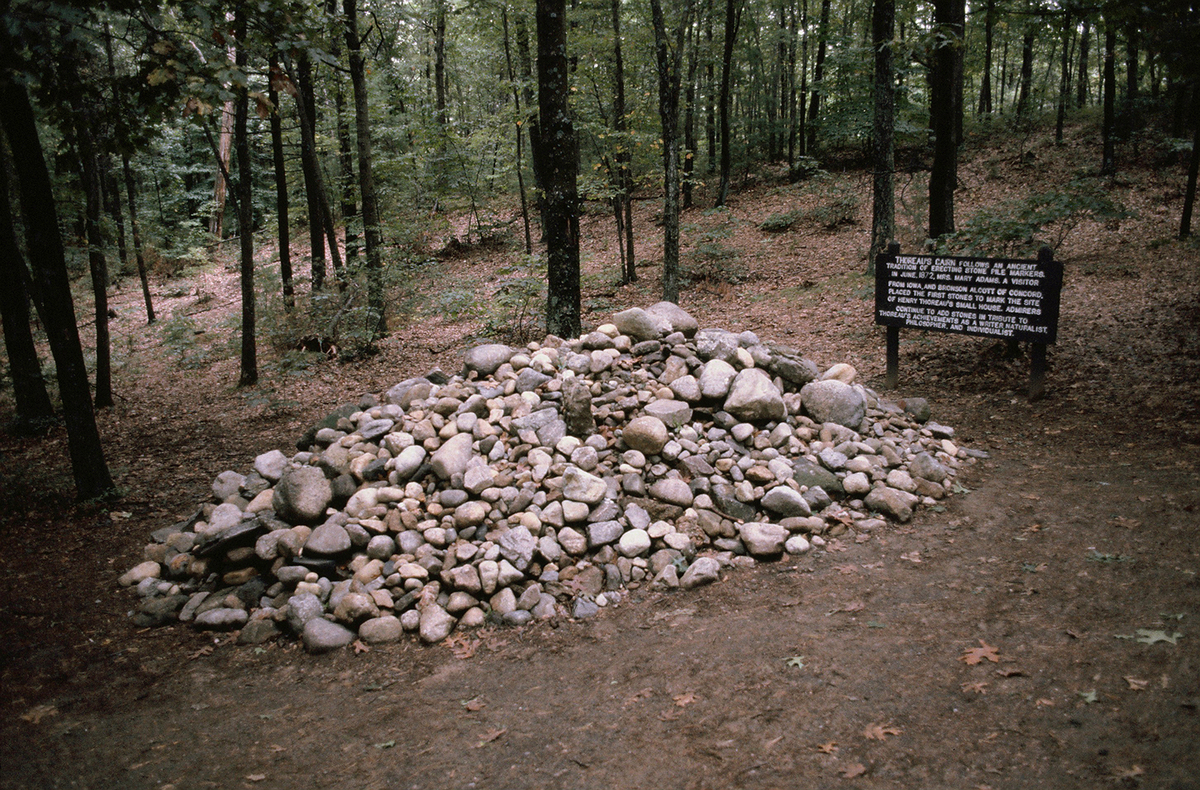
(284, 228)
(668, 51)
(29, 388)
(366, 176)
(558, 153)
(814, 104)
(1108, 161)
(1026, 87)
(48, 260)
(623, 200)
(883, 217)
(985, 84)
(248, 375)
(85, 125)
(733, 19)
(943, 109)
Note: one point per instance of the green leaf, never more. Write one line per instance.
(795, 661)
(1088, 696)
(385, 745)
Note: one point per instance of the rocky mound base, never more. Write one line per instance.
(545, 482)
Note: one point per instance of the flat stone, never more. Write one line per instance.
(322, 636)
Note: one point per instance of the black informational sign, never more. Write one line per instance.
(989, 297)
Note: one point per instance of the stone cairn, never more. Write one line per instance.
(545, 482)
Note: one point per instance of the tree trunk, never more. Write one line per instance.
(520, 134)
(733, 18)
(689, 118)
(623, 205)
(1189, 198)
(29, 388)
(559, 157)
(345, 156)
(1064, 82)
(1026, 70)
(48, 260)
(1108, 163)
(131, 194)
(310, 167)
(669, 65)
(814, 104)
(1081, 86)
(366, 177)
(216, 222)
(985, 87)
(281, 190)
(943, 175)
(245, 208)
(535, 135)
(97, 263)
(112, 205)
(883, 222)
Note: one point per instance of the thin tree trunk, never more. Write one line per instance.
(985, 88)
(520, 134)
(669, 64)
(216, 222)
(1189, 198)
(623, 205)
(814, 104)
(1081, 86)
(560, 157)
(366, 177)
(97, 262)
(284, 229)
(733, 18)
(112, 204)
(131, 194)
(689, 118)
(29, 388)
(345, 156)
(48, 260)
(883, 218)
(245, 207)
(311, 168)
(1064, 83)
(532, 125)
(1108, 163)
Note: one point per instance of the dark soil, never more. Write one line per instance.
(991, 643)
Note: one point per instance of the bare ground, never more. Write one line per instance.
(993, 644)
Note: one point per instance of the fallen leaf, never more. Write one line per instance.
(1135, 684)
(978, 687)
(862, 537)
(277, 748)
(912, 556)
(474, 704)
(1010, 672)
(463, 646)
(1148, 637)
(772, 742)
(36, 714)
(1074, 634)
(853, 770)
(1044, 703)
(386, 745)
(879, 732)
(853, 606)
(1129, 773)
(835, 545)
(1088, 697)
(796, 661)
(255, 777)
(668, 715)
(984, 652)
(685, 699)
(639, 696)
(1127, 523)
(359, 647)
(829, 747)
(204, 651)
(845, 570)
(491, 736)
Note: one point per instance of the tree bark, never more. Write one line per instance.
(1108, 162)
(248, 376)
(814, 104)
(520, 168)
(1189, 198)
(136, 230)
(284, 229)
(559, 157)
(623, 203)
(985, 86)
(943, 175)
(1081, 85)
(669, 63)
(29, 388)
(883, 218)
(97, 262)
(216, 222)
(310, 167)
(1064, 82)
(48, 260)
(366, 177)
(1026, 70)
(733, 18)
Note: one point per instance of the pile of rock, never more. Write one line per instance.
(544, 482)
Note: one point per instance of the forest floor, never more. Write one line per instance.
(1042, 630)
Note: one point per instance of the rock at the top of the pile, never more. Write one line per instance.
(486, 359)
(654, 322)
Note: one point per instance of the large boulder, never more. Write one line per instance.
(834, 401)
(485, 359)
(675, 317)
(302, 495)
(753, 397)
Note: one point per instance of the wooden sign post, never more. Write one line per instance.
(1004, 298)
